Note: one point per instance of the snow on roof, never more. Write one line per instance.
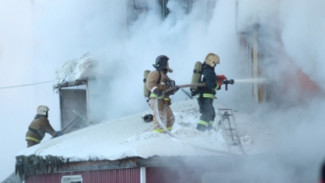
(132, 137)
(76, 69)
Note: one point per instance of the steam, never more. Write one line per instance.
(251, 80)
(306, 43)
(37, 37)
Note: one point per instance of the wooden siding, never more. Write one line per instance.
(130, 175)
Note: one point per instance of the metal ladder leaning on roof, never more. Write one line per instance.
(229, 128)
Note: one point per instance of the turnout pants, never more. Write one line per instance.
(207, 113)
(163, 113)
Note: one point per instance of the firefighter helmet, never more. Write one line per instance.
(212, 59)
(162, 63)
(42, 110)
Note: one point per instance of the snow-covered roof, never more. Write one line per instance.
(132, 137)
(76, 70)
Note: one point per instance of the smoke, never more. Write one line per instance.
(290, 41)
(18, 105)
(305, 45)
(184, 38)
(37, 37)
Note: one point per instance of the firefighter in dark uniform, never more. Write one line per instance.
(206, 95)
(39, 126)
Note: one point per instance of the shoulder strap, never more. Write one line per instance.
(158, 81)
(159, 78)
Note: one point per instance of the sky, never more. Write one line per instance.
(37, 37)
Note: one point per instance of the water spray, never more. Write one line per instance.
(251, 80)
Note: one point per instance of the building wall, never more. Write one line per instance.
(130, 175)
(173, 175)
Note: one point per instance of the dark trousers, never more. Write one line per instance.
(207, 113)
(206, 109)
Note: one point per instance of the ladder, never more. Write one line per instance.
(228, 125)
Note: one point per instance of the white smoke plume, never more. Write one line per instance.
(37, 37)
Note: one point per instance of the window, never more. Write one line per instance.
(71, 179)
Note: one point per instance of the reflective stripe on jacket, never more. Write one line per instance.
(33, 139)
(205, 95)
(39, 126)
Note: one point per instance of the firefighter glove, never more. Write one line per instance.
(170, 83)
(158, 92)
(173, 91)
(58, 133)
(221, 77)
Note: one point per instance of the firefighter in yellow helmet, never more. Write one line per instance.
(206, 95)
(39, 126)
(157, 81)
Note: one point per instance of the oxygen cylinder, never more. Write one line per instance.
(196, 74)
(145, 89)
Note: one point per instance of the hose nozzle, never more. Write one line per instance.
(228, 81)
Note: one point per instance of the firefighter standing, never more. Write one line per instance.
(157, 81)
(39, 126)
(206, 95)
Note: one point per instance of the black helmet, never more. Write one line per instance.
(147, 117)
(161, 62)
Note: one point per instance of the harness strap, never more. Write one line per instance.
(158, 81)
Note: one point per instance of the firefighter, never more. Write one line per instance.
(39, 126)
(157, 81)
(206, 95)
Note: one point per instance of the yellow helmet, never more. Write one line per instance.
(212, 59)
(42, 110)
